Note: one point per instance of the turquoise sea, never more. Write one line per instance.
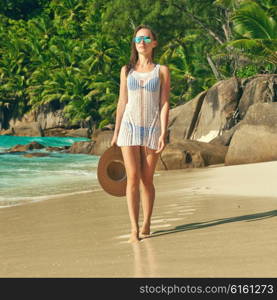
(25, 179)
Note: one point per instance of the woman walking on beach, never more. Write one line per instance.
(141, 125)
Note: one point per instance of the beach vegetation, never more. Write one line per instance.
(68, 54)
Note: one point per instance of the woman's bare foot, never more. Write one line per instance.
(134, 237)
(144, 235)
(145, 231)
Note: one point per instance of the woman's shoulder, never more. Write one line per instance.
(164, 71)
(124, 70)
(164, 68)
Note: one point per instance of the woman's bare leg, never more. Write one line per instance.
(148, 164)
(132, 162)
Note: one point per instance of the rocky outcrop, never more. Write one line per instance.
(190, 154)
(26, 126)
(255, 139)
(102, 140)
(27, 129)
(225, 138)
(79, 132)
(34, 146)
(27, 147)
(257, 89)
(48, 121)
(61, 132)
(217, 111)
(223, 107)
(48, 118)
(182, 119)
(82, 147)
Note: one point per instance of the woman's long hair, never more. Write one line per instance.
(134, 52)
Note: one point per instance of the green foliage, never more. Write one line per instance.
(256, 33)
(71, 52)
(247, 71)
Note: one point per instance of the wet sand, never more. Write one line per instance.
(213, 222)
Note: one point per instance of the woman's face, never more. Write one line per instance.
(143, 47)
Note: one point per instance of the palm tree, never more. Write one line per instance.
(102, 53)
(188, 72)
(13, 72)
(68, 16)
(256, 33)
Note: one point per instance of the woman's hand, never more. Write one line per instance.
(114, 139)
(161, 144)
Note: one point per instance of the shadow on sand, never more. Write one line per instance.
(192, 226)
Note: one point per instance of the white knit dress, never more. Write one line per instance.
(140, 124)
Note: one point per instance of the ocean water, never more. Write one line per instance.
(25, 179)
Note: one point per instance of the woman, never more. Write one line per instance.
(141, 125)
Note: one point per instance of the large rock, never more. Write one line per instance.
(26, 118)
(51, 119)
(27, 129)
(173, 114)
(26, 126)
(190, 154)
(52, 116)
(62, 132)
(102, 140)
(182, 119)
(82, 147)
(257, 89)
(218, 110)
(225, 138)
(255, 140)
(262, 114)
(27, 147)
(79, 132)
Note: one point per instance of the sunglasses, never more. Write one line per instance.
(146, 39)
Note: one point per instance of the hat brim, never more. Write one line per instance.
(111, 172)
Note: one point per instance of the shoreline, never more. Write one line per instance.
(33, 179)
(196, 230)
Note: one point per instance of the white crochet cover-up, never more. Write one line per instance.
(140, 124)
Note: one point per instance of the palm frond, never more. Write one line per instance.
(251, 21)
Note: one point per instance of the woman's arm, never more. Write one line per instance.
(122, 101)
(164, 105)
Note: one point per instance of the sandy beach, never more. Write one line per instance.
(213, 222)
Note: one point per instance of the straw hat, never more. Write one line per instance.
(111, 172)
